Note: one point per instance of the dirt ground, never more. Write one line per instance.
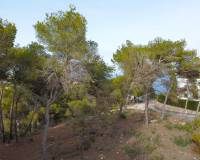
(108, 145)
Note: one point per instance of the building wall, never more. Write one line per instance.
(182, 82)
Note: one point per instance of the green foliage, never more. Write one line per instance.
(182, 141)
(192, 128)
(137, 149)
(196, 139)
(7, 125)
(186, 127)
(192, 105)
(26, 62)
(7, 37)
(132, 150)
(63, 33)
(196, 133)
(196, 123)
(82, 107)
(166, 50)
(142, 146)
(31, 78)
(117, 96)
(57, 112)
(97, 68)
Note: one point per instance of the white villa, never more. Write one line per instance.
(182, 83)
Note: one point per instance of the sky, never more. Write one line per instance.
(111, 22)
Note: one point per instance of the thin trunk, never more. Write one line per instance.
(146, 108)
(45, 135)
(1, 116)
(120, 109)
(28, 127)
(51, 98)
(11, 112)
(31, 120)
(81, 143)
(165, 102)
(127, 98)
(186, 103)
(71, 111)
(198, 108)
(15, 118)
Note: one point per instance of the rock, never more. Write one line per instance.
(101, 156)
(154, 121)
(183, 123)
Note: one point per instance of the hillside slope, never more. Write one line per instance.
(124, 139)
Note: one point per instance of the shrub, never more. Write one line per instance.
(132, 150)
(169, 126)
(156, 157)
(85, 144)
(156, 139)
(186, 127)
(137, 149)
(196, 123)
(182, 141)
(192, 105)
(142, 146)
(196, 133)
(122, 115)
(196, 139)
(149, 148)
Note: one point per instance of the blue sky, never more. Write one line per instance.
(112, 22)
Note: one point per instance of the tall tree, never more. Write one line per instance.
(7, 37)
(63, 33)
(23, 67)
(119, 90)
(189, 68)
(140, 69)
(168, 54)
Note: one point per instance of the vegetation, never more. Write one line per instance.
(192, 105)
(195, 134)
(192, 129)
(63, 79)
(182, 141)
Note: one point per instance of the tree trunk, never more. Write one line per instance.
(15, 119)
(146, 99)
(1, 116)
(120, 109)
(28, 128)
(198, 108)
(11, 112)
(127, 98)
(186, 103)
(165, 102)
(45, 135)
(31, 120)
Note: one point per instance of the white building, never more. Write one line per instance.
(182, 87)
